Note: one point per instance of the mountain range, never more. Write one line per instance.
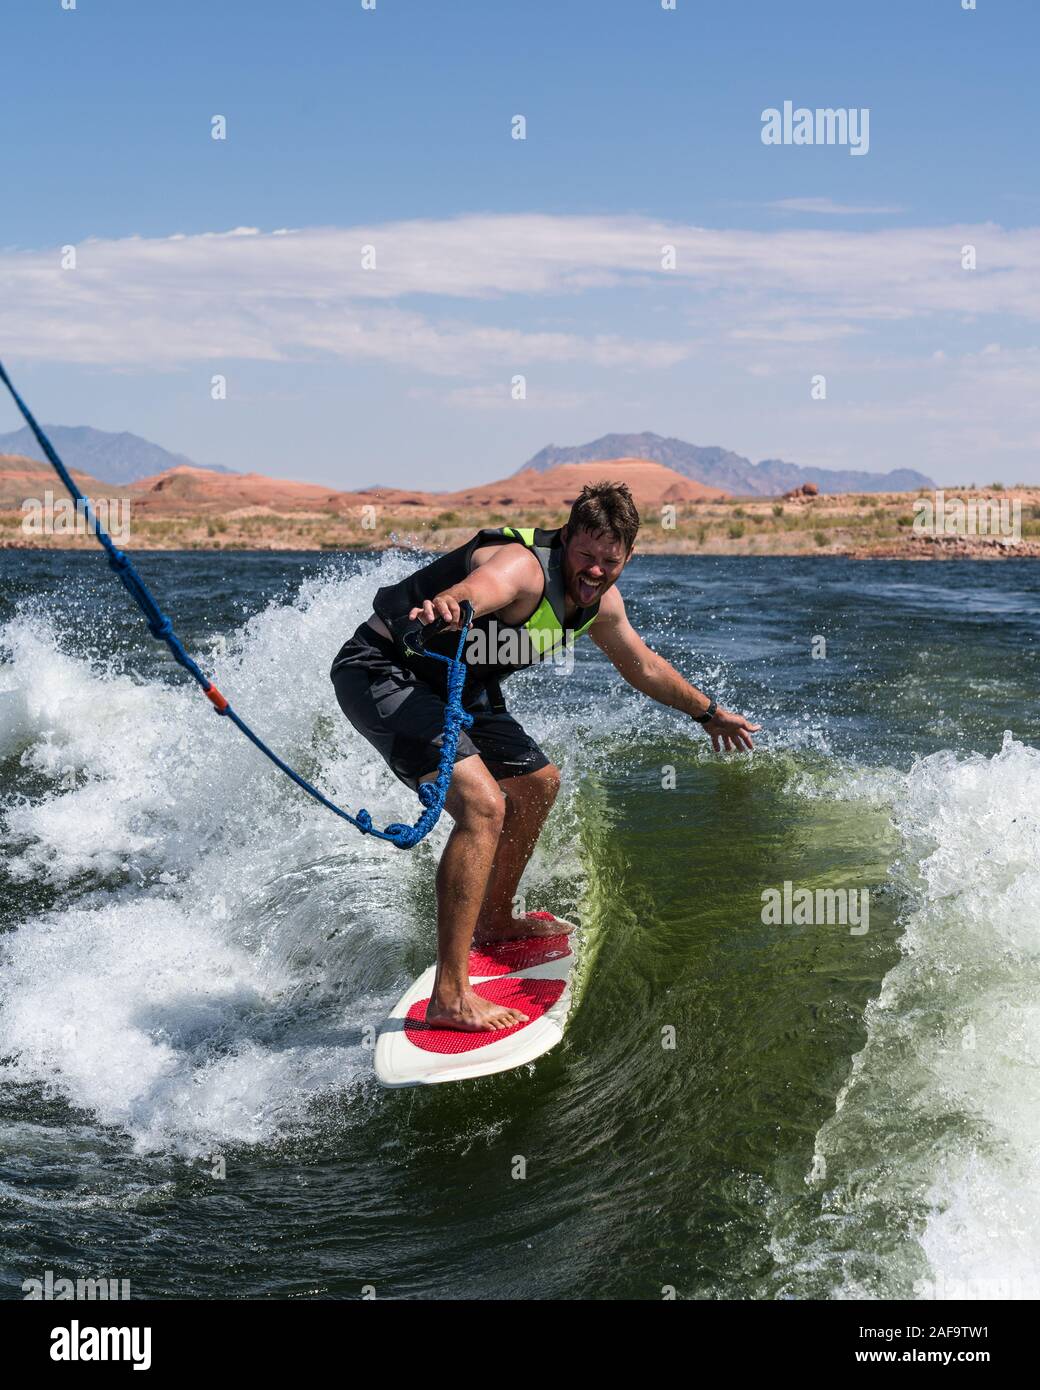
(124, 458)
(117, 458)
(722, 468)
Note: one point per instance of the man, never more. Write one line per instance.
(532, 593)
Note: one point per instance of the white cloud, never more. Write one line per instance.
(794, 332)
(828, 207)
(430, 305)
(498, 396)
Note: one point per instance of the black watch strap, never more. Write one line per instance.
(708, 715)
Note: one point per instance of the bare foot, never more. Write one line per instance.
(514, 928)
(468, 1013)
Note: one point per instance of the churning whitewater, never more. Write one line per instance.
(214, 966)
(932, 1157)
(196, 956)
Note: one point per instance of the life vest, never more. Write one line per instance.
(548, 625)
(545, 633)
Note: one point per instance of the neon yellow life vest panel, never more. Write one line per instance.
(546, 626)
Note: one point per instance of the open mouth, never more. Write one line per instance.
(588, 590)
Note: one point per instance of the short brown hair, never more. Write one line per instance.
(606, 507)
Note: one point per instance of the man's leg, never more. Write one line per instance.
(476, 805)
(394, 712)
(528, 800)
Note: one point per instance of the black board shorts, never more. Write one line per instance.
(402, 716)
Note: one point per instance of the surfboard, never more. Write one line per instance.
(530, 973)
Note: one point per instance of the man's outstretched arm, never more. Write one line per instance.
(652, 675)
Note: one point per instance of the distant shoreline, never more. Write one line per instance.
(858, 526)
(936, 556)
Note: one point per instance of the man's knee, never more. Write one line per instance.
(549, 782)
(477, 803)
(534, 790)
(484, 809)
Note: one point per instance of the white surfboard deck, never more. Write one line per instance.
(532, 974)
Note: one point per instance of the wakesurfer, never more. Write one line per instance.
(542, 589)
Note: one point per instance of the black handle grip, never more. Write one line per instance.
(414, 639)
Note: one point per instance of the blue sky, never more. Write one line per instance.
(497, 257)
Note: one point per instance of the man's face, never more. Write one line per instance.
(592, 562)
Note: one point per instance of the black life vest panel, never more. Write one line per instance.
(494, 649)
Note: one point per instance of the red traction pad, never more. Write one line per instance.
(532, 997)
(506, 957)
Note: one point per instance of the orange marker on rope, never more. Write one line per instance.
(216, 699)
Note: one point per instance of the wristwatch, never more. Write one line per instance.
(708, 715)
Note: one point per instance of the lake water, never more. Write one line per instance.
(193, 952)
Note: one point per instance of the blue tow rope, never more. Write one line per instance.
(431, 794)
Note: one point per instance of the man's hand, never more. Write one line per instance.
(731, 731)
(443, 606)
